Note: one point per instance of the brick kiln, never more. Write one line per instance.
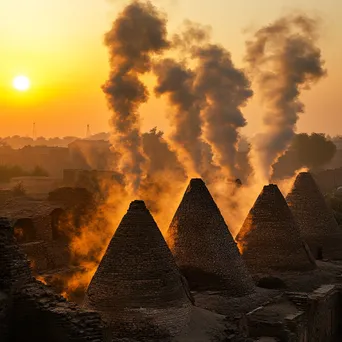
(30, 311)
(203, 247)
(315, 219)
(270, 238)
(137, 286)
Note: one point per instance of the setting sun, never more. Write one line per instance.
(21, 83)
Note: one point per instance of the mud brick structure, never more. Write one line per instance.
(299, 317)
(41, 226)
(79, 199)
(322, 310)
(279, 319)
(137, 287)
(203, 247)
(315, 219)
(270, 238)
(30, 311)
(37, 232)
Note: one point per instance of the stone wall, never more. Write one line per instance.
(279, 319)
(43, 227)
(300, 317)
(30, 311)
(323, 314)
(47, 250)
(45, 253)
(37, 255)
(322, 309)
(4, 316)
(45, 316)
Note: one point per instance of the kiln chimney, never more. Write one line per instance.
(203, 247)
(315, 219)
(137, 284)
(270, 238)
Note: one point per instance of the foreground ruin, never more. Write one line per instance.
(139, 294)
(30, 311)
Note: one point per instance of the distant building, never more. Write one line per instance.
(92, 180)
(51, 159)
(90, 154)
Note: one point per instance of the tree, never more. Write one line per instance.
(313, 150)
(19, 190)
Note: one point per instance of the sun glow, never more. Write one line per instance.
(21, 83)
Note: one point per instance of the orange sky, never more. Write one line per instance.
(58, 45)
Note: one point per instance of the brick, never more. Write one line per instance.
(270, 237)
(315, 219)
(203, 247)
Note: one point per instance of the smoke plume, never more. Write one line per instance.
(284, 59)
(176, 80)
(207, 99)
(137, 34)
(226, 90)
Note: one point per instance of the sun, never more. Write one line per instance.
(21, 83)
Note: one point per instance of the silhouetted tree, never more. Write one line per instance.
(312, 151)
(19, 190)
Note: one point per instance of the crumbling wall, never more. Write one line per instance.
(14, 268)
(4, 316)
(323, 314)
(43, 227)
(278, 319)
(30, 310)
(44, 316)
(322, 310)
(40, 251)
(38, 256)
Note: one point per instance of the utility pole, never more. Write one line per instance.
(88, 134)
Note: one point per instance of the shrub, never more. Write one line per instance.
(19, 190)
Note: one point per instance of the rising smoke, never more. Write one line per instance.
(226, 90)
(284, 59)
(207, 100)
(176, 80)
(137, 34)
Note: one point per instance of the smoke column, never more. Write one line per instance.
(284, 60)
(137, 34)
(175, 79)
(225, 89)
(207, 100)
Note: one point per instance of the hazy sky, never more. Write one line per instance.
(58, 45)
